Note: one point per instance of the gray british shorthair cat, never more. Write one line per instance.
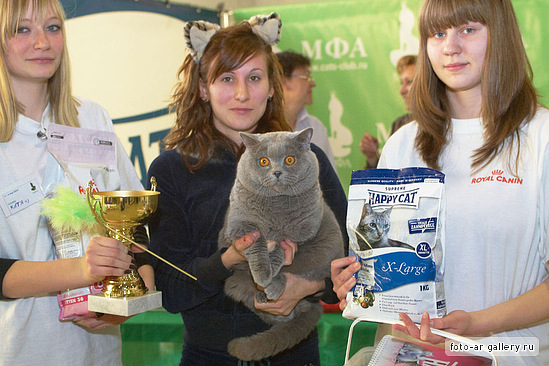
(374, 227)
(277, 193)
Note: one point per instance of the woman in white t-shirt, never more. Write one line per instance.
(35, 93)
(477, 119)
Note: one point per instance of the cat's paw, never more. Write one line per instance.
(275, 288)
(277, 257)
(261, 297)
(262, 278)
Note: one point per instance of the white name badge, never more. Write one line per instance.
(21, 195)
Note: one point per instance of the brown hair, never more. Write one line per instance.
(194, 134)
(404, 62)
(509, 98)
(291, 60)
(62, 104)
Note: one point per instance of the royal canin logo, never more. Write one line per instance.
(94, 189)
(497, 176)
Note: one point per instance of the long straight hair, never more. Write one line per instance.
(62, 104)
(194, 134)
(509, 97)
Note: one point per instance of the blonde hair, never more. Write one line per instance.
(63, 106)
(194, 134)
(509, 97)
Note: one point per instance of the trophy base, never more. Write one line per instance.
(124, 306)
(128, 285)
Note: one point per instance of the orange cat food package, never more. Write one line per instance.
(395, 225)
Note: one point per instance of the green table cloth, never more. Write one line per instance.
(154, 338)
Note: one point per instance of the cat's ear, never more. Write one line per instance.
(366, 210)
(249, 140)
(304, 137)
(197, 34)
(267, 27)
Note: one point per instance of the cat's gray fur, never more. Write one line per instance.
(280, 201)
(374, 227)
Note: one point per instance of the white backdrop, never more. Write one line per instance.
(125, 56)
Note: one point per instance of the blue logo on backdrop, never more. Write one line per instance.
(78, 8)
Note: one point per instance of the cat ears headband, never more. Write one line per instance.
(198, 33)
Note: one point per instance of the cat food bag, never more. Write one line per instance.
(394, 223)
(78, 156)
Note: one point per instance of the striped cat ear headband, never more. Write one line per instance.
(197, 34)
(267, 27)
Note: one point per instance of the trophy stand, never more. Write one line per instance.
(120, 212)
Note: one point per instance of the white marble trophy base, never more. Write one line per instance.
(125, 306)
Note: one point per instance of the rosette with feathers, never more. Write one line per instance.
(69, 211)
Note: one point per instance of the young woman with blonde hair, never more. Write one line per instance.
(59, 89)
(35, 94)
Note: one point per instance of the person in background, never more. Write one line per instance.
(230, 83)
(298, 85)
(35, 93)
(479, 121)
(369, 145)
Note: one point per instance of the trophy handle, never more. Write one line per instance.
(92, 202)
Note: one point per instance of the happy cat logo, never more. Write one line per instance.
(386, 199)
(497, 176)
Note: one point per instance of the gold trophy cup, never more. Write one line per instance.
(120, 212)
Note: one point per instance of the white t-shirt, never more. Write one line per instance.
(320, 133)
(31, 333)
(496, 224)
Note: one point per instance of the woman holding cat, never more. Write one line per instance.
(478, 121)
(230, 84)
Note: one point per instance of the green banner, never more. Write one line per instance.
(354, 46)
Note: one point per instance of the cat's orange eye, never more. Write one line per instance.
(289, 160)
(264, 162)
